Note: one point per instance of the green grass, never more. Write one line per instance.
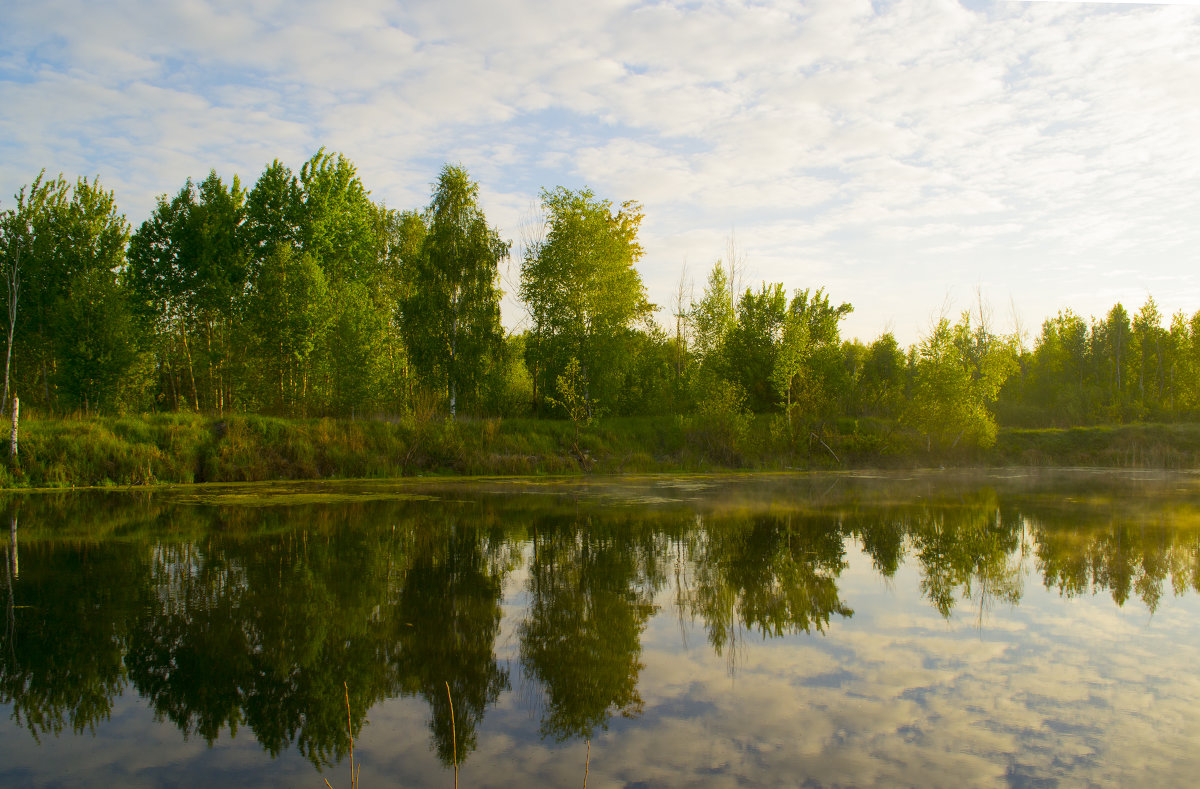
(186, 448)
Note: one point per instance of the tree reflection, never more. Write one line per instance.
(776, 575)
(234, 618)
(68, 612)
(967, 546)
(446, 619)
(592, 586)
(1124, 555)
(264, 633)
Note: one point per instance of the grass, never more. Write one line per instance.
(186, 448)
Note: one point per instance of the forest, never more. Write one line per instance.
(302, 297)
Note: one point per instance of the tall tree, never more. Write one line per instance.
(583, 290)
(287, 316)
(752, 345)
(809, 370)
(337, 218)
(66, 244)
(713, 316)
(189, 265)
(451, 317)
(1111, 341)
(957, 374)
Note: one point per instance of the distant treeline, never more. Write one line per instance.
(303, 297)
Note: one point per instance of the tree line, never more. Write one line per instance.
(302, 296)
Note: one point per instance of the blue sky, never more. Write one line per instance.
(906, 155)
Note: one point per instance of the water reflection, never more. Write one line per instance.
(232, 618)
(592, 582)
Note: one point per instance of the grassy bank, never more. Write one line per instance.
(184, 448)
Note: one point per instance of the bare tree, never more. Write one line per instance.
(735, 266)
(681, 311)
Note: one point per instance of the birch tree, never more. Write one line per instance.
(451, 317)
(583, 290)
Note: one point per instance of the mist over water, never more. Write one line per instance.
(936, 629)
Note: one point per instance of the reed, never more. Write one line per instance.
(453, 736)
(354, 771)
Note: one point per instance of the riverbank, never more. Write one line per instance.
(187, 448)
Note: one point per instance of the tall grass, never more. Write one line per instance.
(185, 448)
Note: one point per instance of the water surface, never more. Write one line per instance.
(931, 629)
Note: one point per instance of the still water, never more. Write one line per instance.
(933, 629)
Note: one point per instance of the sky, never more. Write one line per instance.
(912, 157)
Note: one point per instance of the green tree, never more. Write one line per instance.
(752, 344)
(356, 351)
(583, 290)
(74, 342)
(809, 373)
(337, 220)
(273, 211)
(287, 316)
(713, 316)
(1059, 381)
(1148, 354)
(880, 381)
(957, 375)
(1111, 341)
(451, 318)
(189, 265)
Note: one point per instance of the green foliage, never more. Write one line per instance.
(187, 271)
(752, 344)
(572, 398)
(452, 313)
(957, 375)
(74, 339)
(809, 374)
(287, 316)
(713, 317)
(303, 297)
(337, 220)
(880, 381)
(582, 290)
(720, 424)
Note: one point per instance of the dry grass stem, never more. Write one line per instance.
(453, 736)
(354, 772)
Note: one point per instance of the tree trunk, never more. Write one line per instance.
(187, 354)
(12, 446)
(14, 290)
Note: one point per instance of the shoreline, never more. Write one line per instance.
(173, 448)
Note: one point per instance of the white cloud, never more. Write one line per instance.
(1027, 140)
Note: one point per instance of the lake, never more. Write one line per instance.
(911, 629)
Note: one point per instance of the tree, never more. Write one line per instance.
(713, 316)
(287, 316)
(1111, 340)
(336, 218)
(808, 370)
(189, 266)
(752, 344)
(1149, 348)
(62, 247)
(15, 236)
(273, 211)
(881, 377)
(583, 290)
(451, 317)
(957, 375)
